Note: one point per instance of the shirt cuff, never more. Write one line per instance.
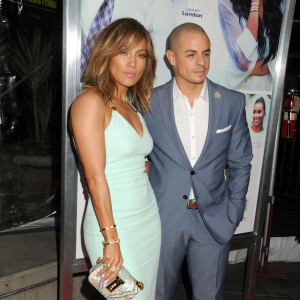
(247, 44)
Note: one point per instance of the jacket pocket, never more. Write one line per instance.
(224, 129)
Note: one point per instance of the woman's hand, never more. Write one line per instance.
(147, 166)
(113, 261)
(260, 69)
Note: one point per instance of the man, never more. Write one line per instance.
(198, 128)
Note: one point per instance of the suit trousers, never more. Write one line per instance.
(207, 260)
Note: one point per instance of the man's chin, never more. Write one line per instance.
(198, 81)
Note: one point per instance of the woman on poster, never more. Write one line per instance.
(121, 222)
(259, 112)
(257, 116)
(251, 32)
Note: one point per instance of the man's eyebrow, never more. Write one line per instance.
(190, 50)
(194, 51)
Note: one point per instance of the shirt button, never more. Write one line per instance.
(185, 197)
(193, 137)
(193, 172)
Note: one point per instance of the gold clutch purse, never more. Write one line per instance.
(123, 287)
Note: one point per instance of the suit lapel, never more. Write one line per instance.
(215, 105)
(167, 110)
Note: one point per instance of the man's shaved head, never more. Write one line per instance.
(174, 36)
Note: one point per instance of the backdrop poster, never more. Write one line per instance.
(237, 62)
(237, 59)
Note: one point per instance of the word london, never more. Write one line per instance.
(191, 12)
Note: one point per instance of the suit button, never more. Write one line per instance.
(185, 196)
(193, 172)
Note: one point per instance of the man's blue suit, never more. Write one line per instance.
(227, 144)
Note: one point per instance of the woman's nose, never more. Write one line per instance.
(131, 61)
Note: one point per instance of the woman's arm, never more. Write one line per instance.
(253, 18)
(241, 42)
(88, 124)
(260, 69)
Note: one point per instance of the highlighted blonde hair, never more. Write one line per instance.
(123, 33)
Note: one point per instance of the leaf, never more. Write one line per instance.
(32, 59)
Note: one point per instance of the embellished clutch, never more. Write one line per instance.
(123, 287)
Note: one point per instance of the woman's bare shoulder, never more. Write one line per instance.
(89, 97)
(88, 101)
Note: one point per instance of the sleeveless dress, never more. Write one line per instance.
(134, 206)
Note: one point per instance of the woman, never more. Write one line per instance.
(251, 31)
(112, 141)
(258, 115)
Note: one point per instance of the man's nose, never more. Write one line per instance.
(200, 60)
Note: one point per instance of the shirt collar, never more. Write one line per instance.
(178, 94)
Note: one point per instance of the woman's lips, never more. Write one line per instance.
(129, 74)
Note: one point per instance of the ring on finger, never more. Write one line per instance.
(113, 268)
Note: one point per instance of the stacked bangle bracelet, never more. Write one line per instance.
(254, 6)
(112, 241)
(109, 227)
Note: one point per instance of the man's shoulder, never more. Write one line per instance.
(160, 93)
(163, 86)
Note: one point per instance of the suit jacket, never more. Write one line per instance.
(172, 176)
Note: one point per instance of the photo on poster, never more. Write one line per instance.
(244, 39)
(257, 114)
(155, 15)
(243, 47)
(251, 34)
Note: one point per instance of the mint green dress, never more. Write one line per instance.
(134, 205)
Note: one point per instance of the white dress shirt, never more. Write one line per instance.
(191, 122)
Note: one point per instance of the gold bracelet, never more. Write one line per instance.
(109, 227)
(112, 241)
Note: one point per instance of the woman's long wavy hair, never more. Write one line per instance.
(122, 33)
(270, 24)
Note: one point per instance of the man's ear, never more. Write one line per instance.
(171, 57)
